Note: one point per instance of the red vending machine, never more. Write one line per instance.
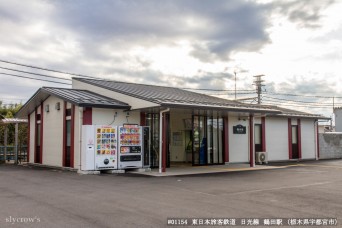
(130, 147)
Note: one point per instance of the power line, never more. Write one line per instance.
(300, 95)
(19, 76)
(42, 75)
(46, 69)
(298, 105)
(219, 90)
(296, 101)
(8, 98)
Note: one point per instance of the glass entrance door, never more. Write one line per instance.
(199, 155)
(152, 121)
(207, 140)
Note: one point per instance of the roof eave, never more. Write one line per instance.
(222, 108)
(104, 106)
(301, 116)
(25, 106)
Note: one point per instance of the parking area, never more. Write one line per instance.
(55, 198)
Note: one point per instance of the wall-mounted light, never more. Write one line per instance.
(58, 106)
(47, 108)
(243, 118)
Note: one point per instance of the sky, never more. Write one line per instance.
(199, 44)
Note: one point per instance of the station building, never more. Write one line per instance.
(184, 126)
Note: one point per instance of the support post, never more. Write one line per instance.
(16, 144)
(251, 141)
(5, 144)
(161, 138)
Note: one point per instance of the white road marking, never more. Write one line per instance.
(280, 188)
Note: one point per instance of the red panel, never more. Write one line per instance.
(251, 141)
(41, 131)
(290, 137)
(28, 138)
(72, 148)
(142, 119)
(263, 134)
(35, 136)
(164, 146)
(226, 139)
(317, 140)
(299, 139)
(64, 132)
(87, 116)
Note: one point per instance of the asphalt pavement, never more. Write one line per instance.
(40, 197)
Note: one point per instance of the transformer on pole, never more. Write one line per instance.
(258, 83)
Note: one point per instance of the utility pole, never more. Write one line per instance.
(258, 83)
(333, 114)
(235, 83)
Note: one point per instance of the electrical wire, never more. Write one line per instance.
(300, 95)
(42, 75)
(46, 69)
(19, 76)
(297, 105)
(220, 90)
(296, 101)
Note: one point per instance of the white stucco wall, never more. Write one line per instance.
(52, 133)
(277, 138)
(106, 117)
(135, 103)
(257, 120)
(32, 136)
(308, 139)
(238, 143)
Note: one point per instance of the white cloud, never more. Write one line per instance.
(195, 43)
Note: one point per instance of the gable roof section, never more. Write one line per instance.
(82, 98)
(173, 97)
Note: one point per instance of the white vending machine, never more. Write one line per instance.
(88, 148)
(130, 147)
(99, 147)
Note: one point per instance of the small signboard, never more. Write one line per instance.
(239, 129)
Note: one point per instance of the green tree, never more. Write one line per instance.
(9, 111)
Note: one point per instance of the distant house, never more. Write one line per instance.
(184, 126)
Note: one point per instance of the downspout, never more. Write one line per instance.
(80, 121)
(316, 139)
(161, 137)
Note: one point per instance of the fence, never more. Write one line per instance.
(10, 153)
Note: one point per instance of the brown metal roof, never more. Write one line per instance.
(171, 96)
(82, 98)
